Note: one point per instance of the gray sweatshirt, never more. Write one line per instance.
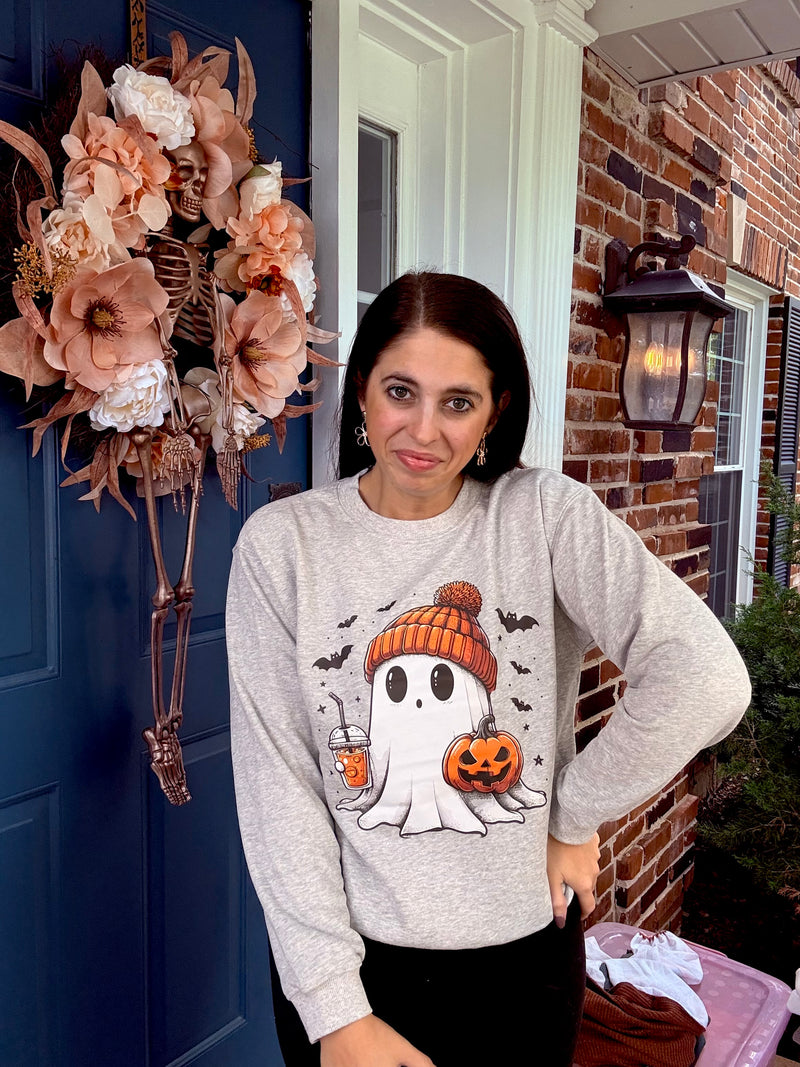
(402, 702)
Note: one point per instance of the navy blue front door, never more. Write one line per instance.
(129, 932)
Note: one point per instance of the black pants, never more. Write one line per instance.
(513, 1003)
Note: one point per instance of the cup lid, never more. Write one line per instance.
(344, 736)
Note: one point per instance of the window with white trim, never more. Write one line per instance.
(729, 496)
(377, 223)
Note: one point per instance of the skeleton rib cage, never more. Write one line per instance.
(180, 269)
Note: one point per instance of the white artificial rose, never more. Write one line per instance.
(301, 272)
(245, 421)
(260, 188)
(141, 399)
(162, 110)
(70, 230)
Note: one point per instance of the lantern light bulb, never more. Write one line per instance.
(654, 358)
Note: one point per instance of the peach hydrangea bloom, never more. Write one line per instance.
(101, 324)
(271, 239)
(130, 191)
(268, 353)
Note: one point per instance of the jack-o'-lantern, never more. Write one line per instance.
(488, 761)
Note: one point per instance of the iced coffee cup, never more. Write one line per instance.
(349, 745)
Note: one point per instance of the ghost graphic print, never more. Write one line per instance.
(432, 673)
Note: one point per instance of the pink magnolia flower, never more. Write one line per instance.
(102, 323)
(268, 353)
(225, 143)
(118, 170)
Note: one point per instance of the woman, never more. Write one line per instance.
(405, 649)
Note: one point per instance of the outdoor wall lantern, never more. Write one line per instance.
(668, 317)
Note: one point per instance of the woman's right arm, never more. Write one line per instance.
(286, 827)
(370, 1042)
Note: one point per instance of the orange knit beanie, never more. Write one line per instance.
(449, 629)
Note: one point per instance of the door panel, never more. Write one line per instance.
(130, 931)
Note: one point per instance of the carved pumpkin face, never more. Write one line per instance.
(490, 764)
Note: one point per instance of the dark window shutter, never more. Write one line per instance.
(787, 429)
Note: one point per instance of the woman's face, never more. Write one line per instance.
(427, 402)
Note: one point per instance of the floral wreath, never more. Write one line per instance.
(95, 284)
(123, 264)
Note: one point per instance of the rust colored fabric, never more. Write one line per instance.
(625, 1027)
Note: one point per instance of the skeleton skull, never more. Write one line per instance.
(187, 182)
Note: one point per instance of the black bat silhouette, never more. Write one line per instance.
(388, 606)
(520, 705)
(519, 669)
(336, 659)
(347, 622)
(512, 623)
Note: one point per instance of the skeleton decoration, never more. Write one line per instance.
(123, 305)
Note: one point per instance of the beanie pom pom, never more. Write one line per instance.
(461, 595)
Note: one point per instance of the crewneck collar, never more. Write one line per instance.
(413, 529)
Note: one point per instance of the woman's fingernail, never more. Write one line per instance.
(560, 921)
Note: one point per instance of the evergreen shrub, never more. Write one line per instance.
(754, 811)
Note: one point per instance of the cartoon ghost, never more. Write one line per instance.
(431, 672)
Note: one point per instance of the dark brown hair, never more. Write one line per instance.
(457, 307)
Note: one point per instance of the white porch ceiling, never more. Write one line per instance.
(699, 37)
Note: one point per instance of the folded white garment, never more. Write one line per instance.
(661, 965)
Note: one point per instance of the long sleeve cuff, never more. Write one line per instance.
(337, 1002)
(565, 829)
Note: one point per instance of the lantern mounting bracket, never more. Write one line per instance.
(621, 266)
(672, 251)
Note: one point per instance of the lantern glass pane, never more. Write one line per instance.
(696, 379)
(652, 373)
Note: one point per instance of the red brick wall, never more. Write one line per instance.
(765, 172)
(650, 164)
(667, 162)
(765, 176)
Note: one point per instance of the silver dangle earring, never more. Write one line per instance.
(481, 453)
(361, 432)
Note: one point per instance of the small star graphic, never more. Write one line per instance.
(321, 708)
(538, 761)
(358, 700)
(323, 684)
(526, 726)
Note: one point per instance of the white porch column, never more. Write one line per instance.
(548, 175)
(334, 180)
(497, 126)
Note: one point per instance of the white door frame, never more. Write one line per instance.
(495, 149)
